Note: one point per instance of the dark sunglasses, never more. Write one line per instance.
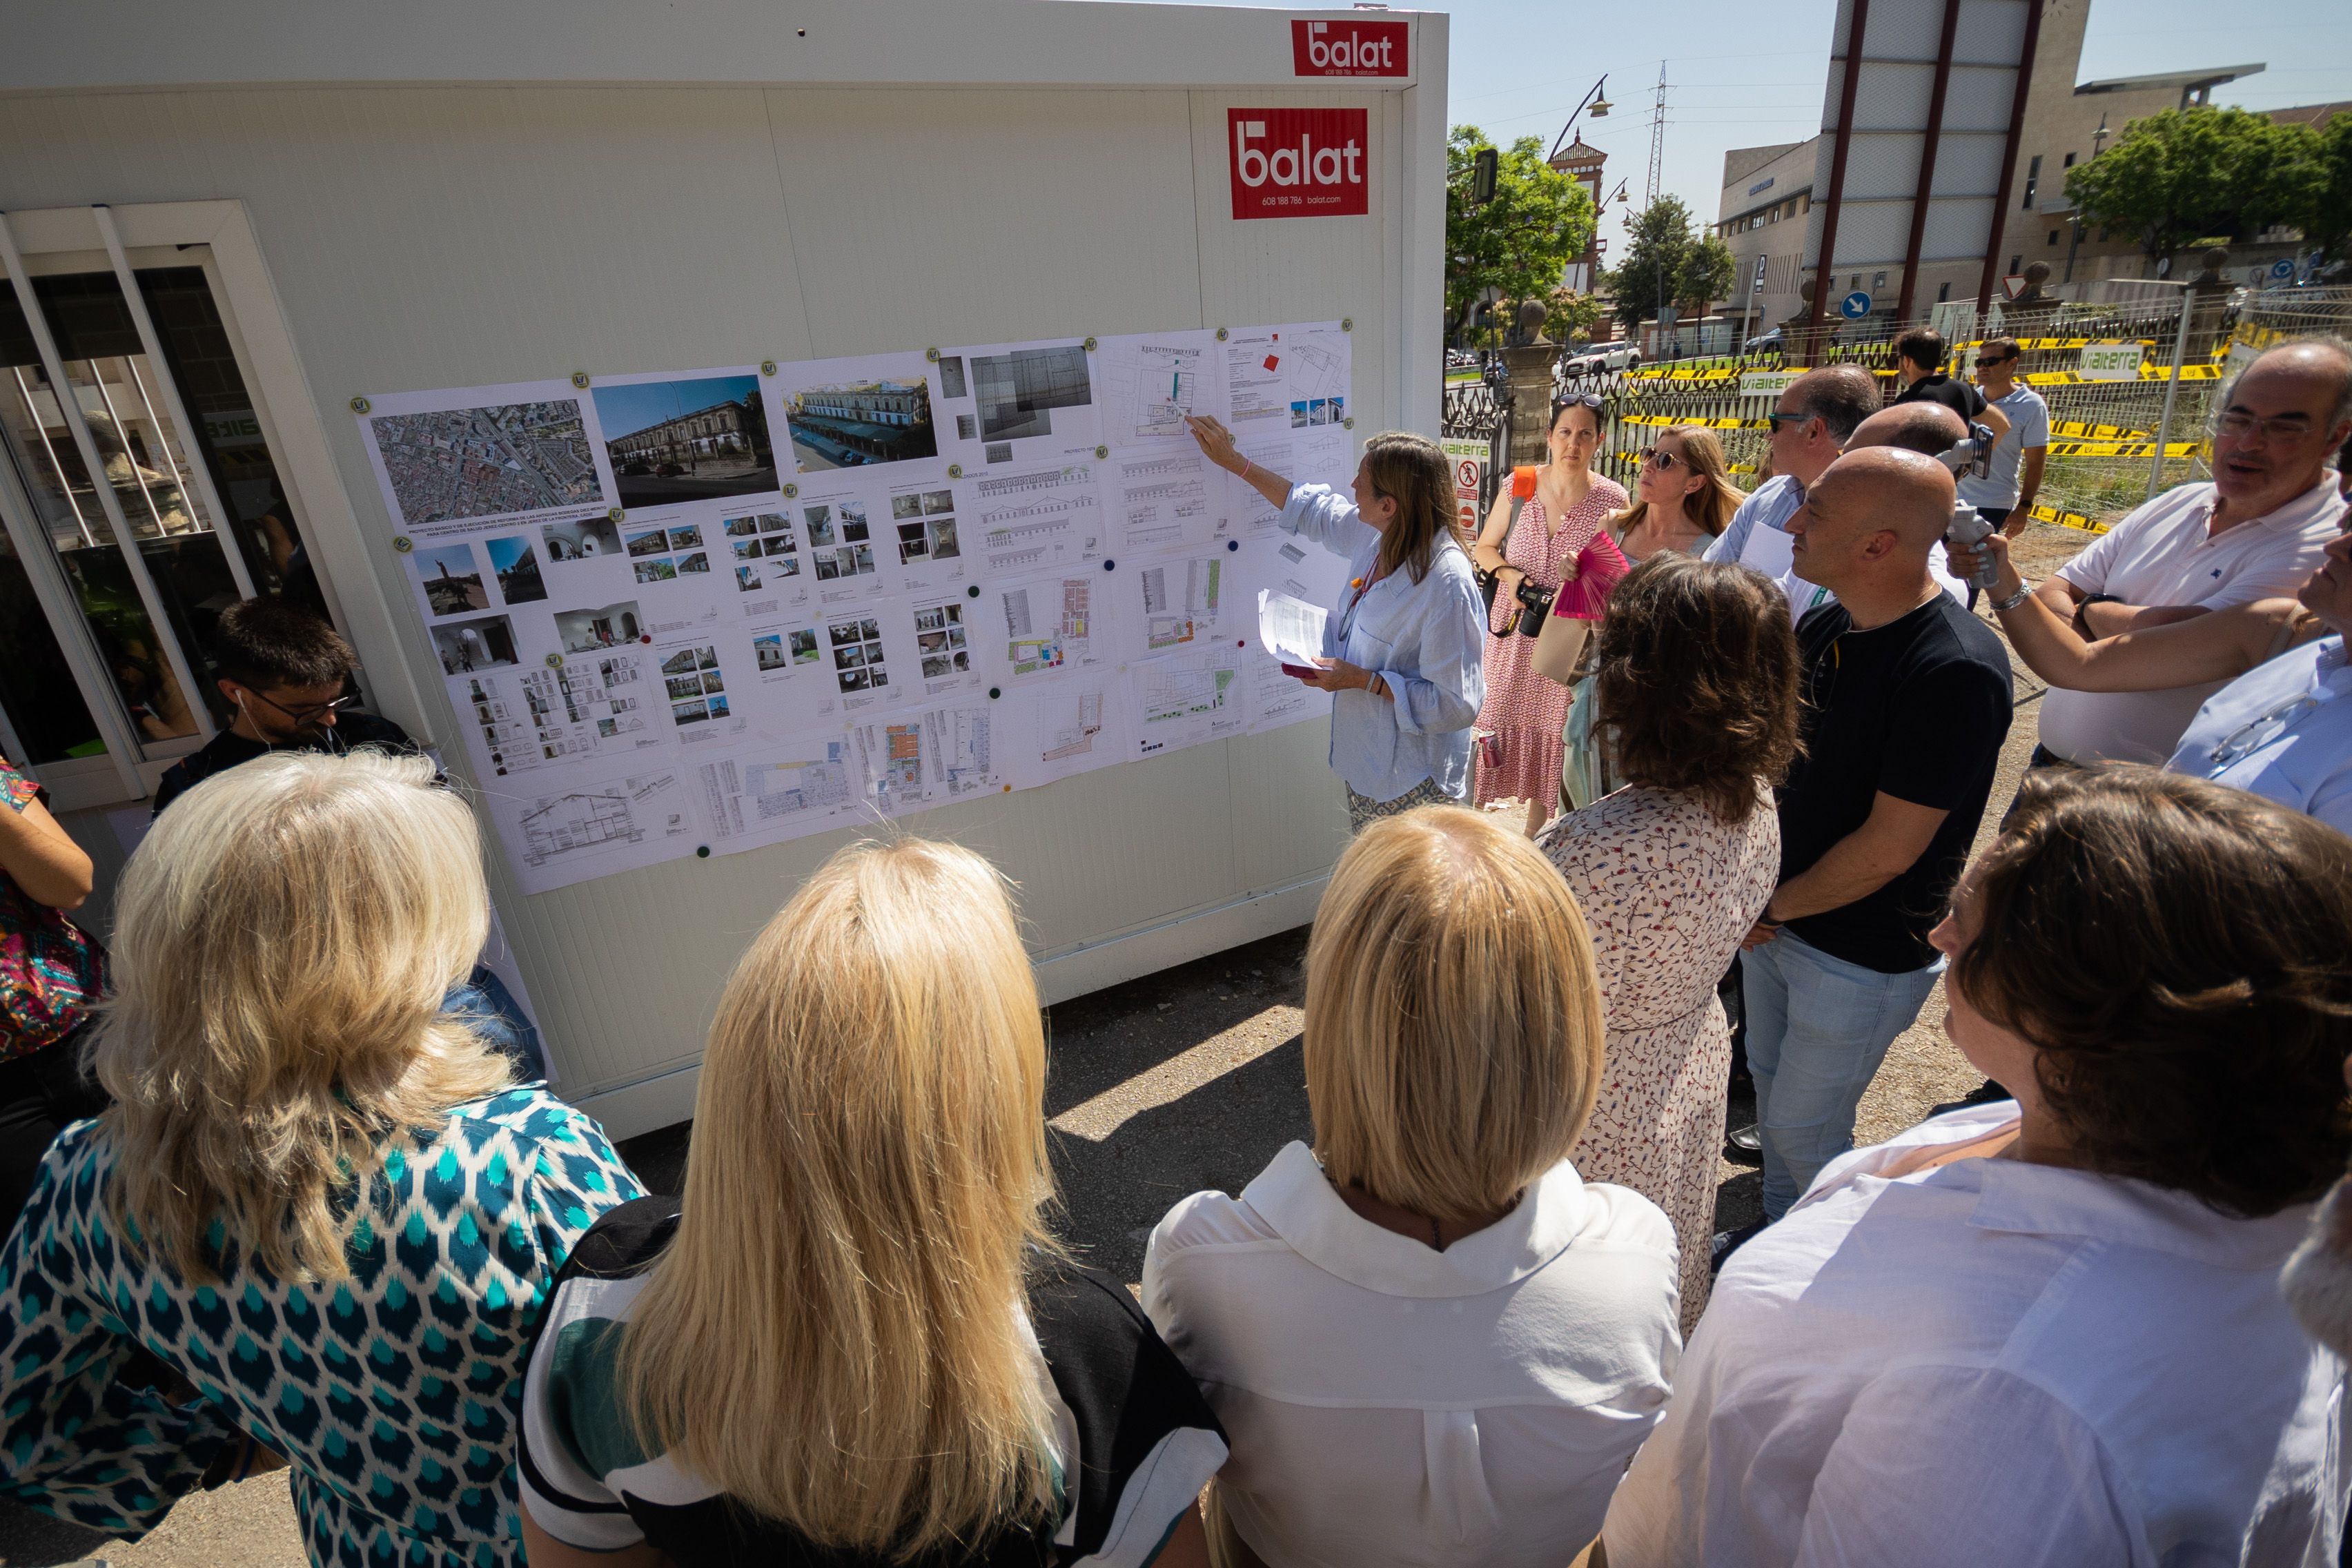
(1575, 400)
(1661, 459)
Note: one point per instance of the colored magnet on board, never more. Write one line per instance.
(1232, 544)
(994, 692)
(1222, 334)
(1090, 345)
(767, 367)
(555, 661)
(617, 515)
(1346, 323)
(972, 591)
(791, 490)
(403, 544)
(359, 405)
(932, 356)
(1101, 452)
(702, 851)
(579, 379)
(1109, 565)
(955, 470)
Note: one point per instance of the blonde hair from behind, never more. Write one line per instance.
(283, 941)
(1712, 504)
(835, 1338)
(1454, 1030)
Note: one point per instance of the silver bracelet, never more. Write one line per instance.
(2024, 591)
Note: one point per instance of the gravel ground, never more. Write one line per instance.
(1181, 1081)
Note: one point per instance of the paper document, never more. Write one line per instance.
(1291, 629)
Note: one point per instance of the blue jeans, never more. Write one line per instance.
(1817, 1029)
(484, 1001)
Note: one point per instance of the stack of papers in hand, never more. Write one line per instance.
(1292, 630)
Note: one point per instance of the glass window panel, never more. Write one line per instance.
(40, 446)
(228, 437)
(37, 685)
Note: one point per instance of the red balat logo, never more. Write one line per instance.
(1348, 48)
(1298, 162)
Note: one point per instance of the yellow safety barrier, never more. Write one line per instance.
(2073, 520)
(2121, 448)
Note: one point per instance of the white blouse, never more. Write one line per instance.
(1994, 1362)
(1389, 1404)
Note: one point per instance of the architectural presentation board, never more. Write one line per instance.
(698, 612)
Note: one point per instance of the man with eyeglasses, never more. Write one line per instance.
(2004, 496)
(1810, 424)
(283, 670)
(2256, 531)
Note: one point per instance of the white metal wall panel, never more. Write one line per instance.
(433, 236)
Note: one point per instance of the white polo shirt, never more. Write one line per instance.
(2282, 731)
(2161, 554)
(1388, 1403)
(1994, 1362)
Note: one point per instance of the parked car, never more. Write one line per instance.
(1766, 342)
(668, 470)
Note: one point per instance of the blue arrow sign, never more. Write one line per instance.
(1854, 306)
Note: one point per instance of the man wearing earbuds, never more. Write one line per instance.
(283, 670)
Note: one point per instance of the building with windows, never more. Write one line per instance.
(1767, 191)
(736, 429)
(2063, 123)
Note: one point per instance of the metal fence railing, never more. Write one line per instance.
(2130, 386)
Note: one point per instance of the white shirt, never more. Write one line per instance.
(2161, 554)
(1994, 1362)
(2028, 426)
(1388, 1403)
(2281, 731)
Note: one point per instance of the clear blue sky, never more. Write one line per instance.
(1747, 74)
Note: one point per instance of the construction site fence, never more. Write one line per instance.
(2132, 395)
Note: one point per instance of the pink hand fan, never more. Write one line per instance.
(1600, 568)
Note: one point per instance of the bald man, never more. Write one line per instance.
(1923, 426)
(1906, 701)
(2258, 530)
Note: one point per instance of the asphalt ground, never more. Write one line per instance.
(1182, 1081)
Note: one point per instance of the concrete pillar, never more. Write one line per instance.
(1530, 369)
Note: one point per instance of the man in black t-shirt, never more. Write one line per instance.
(283, 670)
(1919, 365)
(1906, 698)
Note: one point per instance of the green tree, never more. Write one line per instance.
(1667, 260)
(1705, 275)
(1518, 244)
(2184, 173)
(1568, 314)
(2327, 222)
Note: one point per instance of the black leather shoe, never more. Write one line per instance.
(1985, 1093)
(1745, 1145)
(1727, 1242)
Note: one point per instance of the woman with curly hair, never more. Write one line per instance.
(2050, 1331)
(1696, 690)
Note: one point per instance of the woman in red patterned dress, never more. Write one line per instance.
(1524, 713)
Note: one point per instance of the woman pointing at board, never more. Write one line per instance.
(1403, 646)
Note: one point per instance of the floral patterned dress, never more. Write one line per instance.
(1525, 711)
(1668, 891)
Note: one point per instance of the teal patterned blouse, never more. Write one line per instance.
(392, 1394)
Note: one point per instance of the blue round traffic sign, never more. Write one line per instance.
(1854, 306)
(2282, 267)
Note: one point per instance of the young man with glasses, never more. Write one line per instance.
(283, 670)
(2004, 497)
(2256, 531)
